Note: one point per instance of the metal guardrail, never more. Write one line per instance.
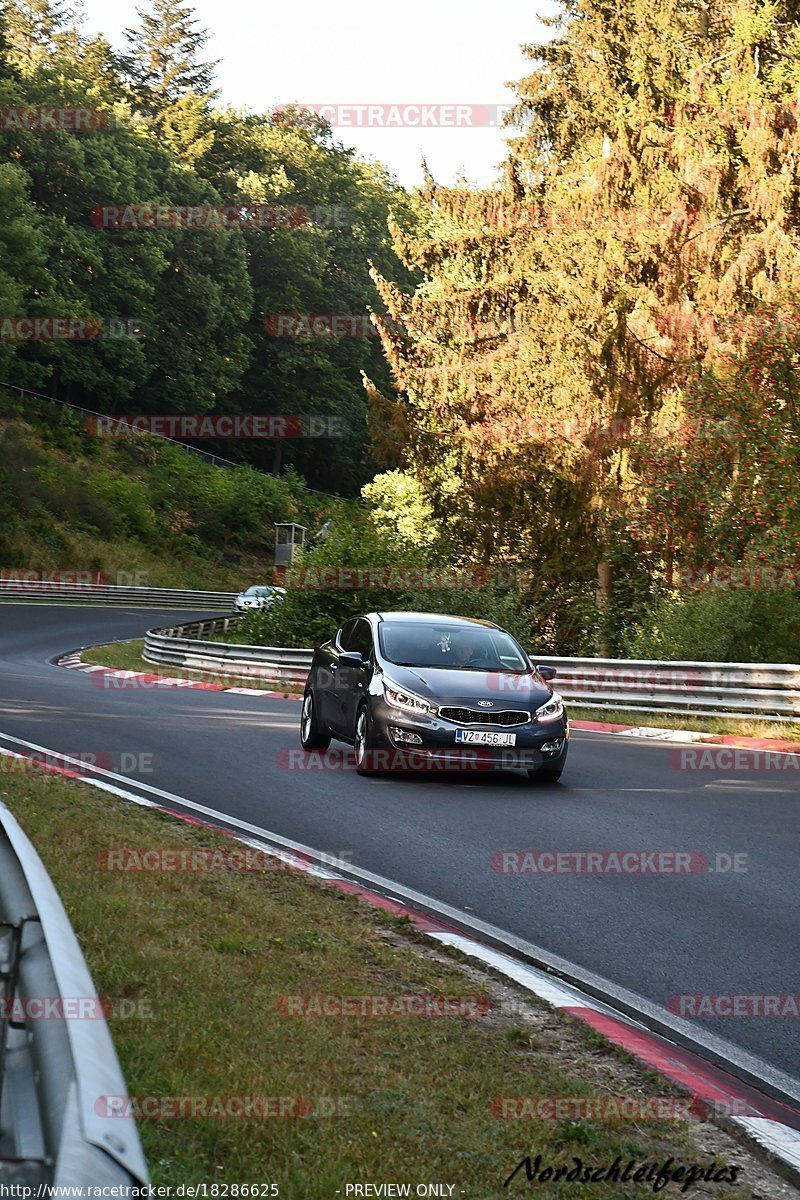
(762, 691)
(102, 593)
(182, 646)
(55, 1127)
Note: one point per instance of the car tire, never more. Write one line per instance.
(363, 742)
(311, 738)
(545, 774)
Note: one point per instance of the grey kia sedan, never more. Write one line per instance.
(416, 691)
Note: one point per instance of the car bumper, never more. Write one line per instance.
(536, 744)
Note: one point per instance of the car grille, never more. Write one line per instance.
(471, 716)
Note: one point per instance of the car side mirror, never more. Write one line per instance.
(547, 673)
(351, 658)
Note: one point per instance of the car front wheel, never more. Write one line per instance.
(363, 741)
(311, 737)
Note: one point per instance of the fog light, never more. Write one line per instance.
(552, 747)
(402, 735)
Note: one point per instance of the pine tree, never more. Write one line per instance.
(6, 70)
(36, 30)
(171, 86)
(163, 63)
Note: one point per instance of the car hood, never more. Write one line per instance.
(503, 689)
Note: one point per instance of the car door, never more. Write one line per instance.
(352, 682)
(326, 681)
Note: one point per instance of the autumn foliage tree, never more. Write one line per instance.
(650, 202)
(721, 488)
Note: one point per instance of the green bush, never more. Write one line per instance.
(129, 500)
(310, 614)
(557, 620)
(720, 625)
(136, 504)
(76, 505)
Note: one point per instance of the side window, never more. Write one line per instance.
(362, 639)
(344, 638)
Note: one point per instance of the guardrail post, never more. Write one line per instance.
(9, 970)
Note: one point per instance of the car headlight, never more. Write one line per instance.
(400, 698)
(552, 711)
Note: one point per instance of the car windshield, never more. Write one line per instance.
(454, 647)
(256, 591)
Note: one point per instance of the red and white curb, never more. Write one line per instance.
(772, 1124)
(118, 680)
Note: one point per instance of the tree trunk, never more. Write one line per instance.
(604, 599)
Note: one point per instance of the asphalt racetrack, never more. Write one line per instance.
(659, 935)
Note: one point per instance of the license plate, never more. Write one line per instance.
(478, 737)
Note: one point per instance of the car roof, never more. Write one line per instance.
(419, 618)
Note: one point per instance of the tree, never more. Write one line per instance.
(400, 510)
(170, 84)
(198, 300)
(163, 63)
(650, 196)
(35, 30)
(21, 253)
(719, 491)
(319, 265)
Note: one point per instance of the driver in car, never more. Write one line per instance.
(467, 653)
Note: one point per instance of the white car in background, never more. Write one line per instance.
(258, 596)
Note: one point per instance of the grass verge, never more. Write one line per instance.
(744, 726)
(210, 954)
(127, 656)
